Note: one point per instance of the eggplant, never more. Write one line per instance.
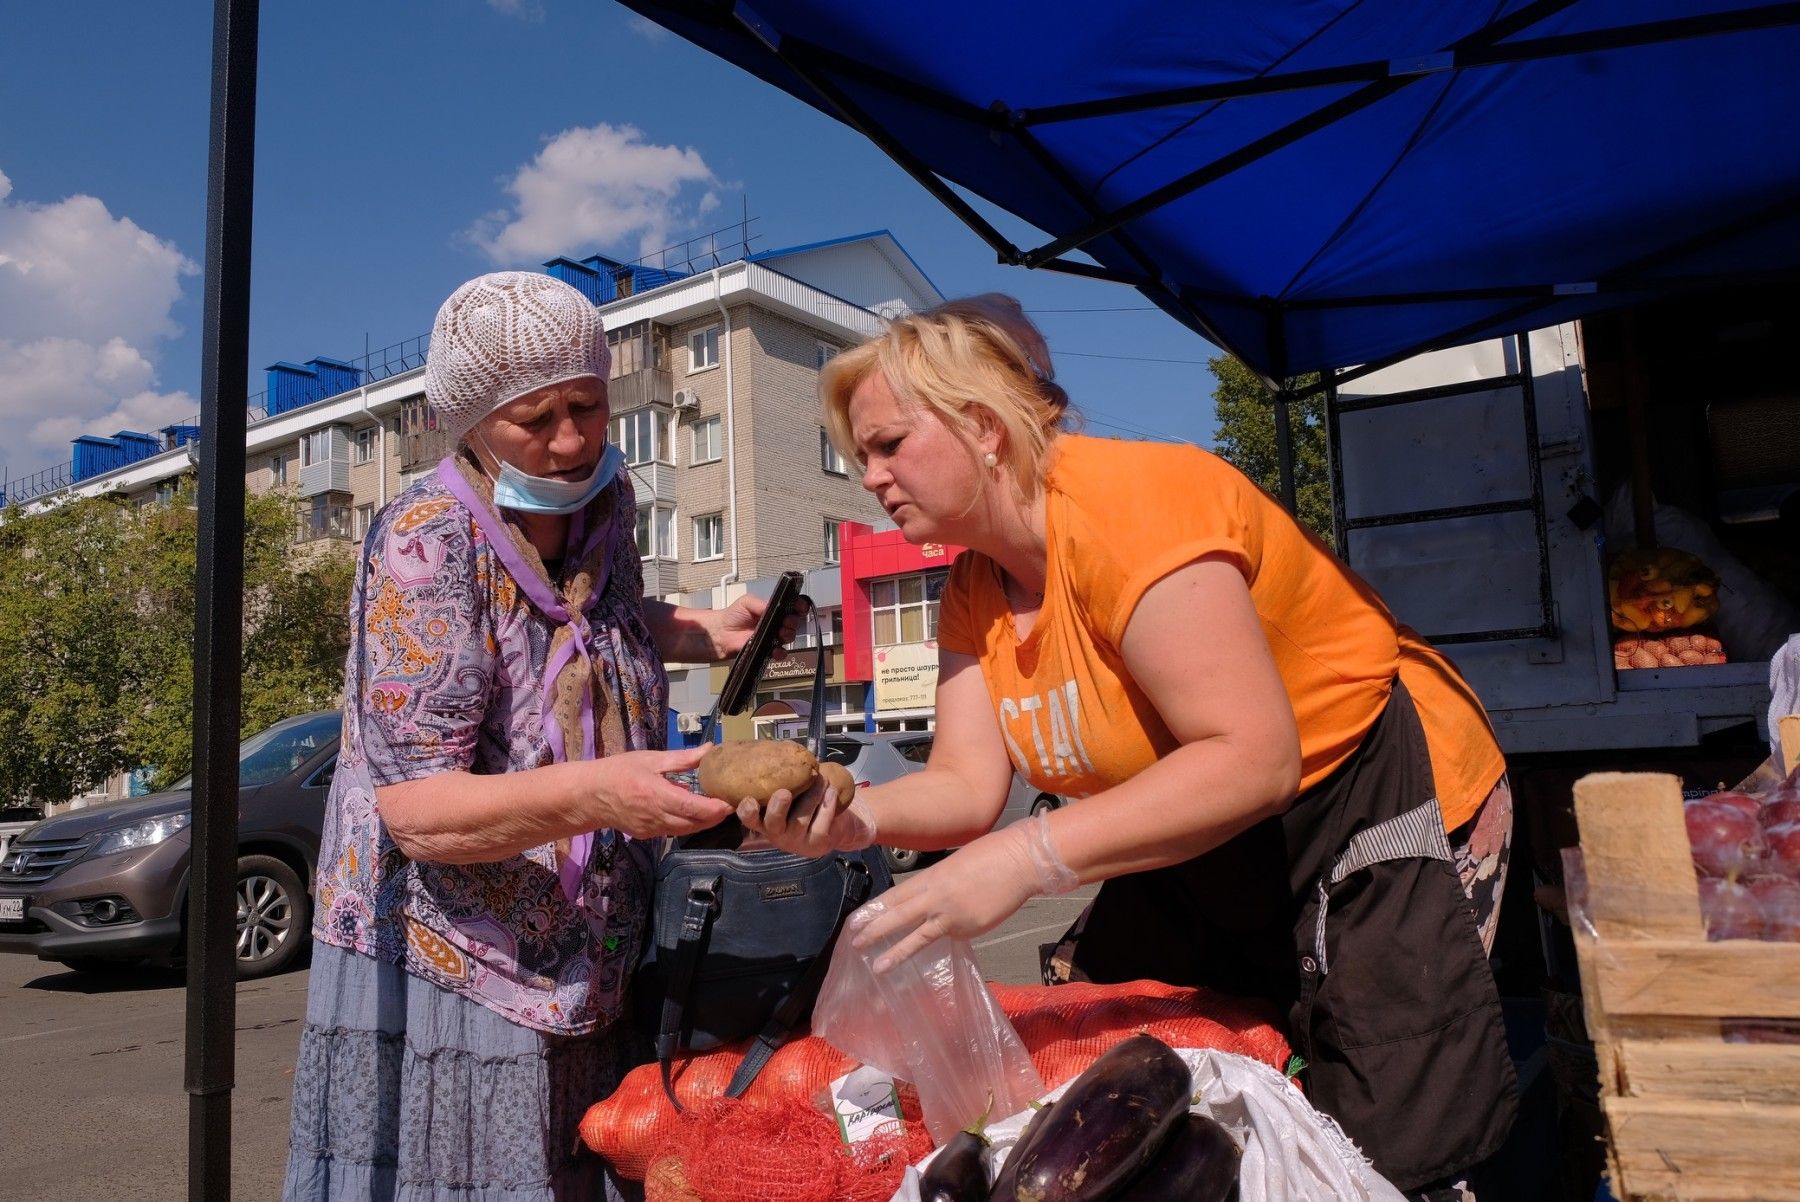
(1005, 1185)
(955, 1173)
(1109, 1124)
(1199, 1163)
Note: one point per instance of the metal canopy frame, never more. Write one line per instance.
(815, 65)
(211, 999)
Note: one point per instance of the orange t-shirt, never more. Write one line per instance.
(1120, 516)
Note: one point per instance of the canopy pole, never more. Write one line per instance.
(1284, 396)
(219, 603)
(1284, 448)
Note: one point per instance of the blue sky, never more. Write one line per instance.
(405, 146)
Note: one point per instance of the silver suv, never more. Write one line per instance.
(876, 759)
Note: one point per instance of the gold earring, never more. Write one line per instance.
(991, 459)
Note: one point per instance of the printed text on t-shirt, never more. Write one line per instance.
(1062, 752)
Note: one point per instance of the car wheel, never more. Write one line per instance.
(902, 859)
(98, 967)
(1045, 803)
(273, 916)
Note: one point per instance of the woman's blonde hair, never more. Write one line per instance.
(965, 359)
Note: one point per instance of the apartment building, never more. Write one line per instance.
(714, 403)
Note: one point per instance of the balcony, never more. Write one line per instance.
(646, 386)
(653, 481)
(422, 444)
(325, 519)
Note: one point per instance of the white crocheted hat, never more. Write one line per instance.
(500, 336)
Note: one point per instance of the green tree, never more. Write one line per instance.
(1245, 409)
(96, 636)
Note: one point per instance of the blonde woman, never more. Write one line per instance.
(1285, 792)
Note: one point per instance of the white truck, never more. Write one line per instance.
(1471, 488)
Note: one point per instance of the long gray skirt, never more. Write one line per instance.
(407, 1092)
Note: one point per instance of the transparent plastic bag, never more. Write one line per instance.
(929, 1020)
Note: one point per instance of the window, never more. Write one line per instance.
(905, 609)
(831, 628)
(709, 537)
(328, 515)
(315, 448)
(829, 459)
(707, 445)
(831, 540)
(655, 532)
(703, 348)
(365, 517)
(278, 470)
(642, 435)
(166, 491)
(365, 444)
(917, 751)
(826, 353)
(636, 347)
(417, 417)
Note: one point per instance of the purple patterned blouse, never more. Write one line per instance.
(446, 672)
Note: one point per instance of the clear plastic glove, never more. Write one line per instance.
(976, 889)
(816, 823)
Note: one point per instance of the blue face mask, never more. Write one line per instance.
(515, 489)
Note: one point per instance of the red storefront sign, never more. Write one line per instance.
(866, 554)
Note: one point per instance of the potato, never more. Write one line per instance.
(734, 771)
(838, 777)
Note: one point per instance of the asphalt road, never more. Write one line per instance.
(93, 1106)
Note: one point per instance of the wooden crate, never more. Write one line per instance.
(1690, 1114)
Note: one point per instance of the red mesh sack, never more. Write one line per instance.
(778, 1151)
(1065, 1028)
(632, 1125)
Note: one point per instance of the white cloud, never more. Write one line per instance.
(525, 10)
(599, 186)
(645, 28)
(85, 307)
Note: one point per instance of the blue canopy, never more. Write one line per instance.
(1318, 183)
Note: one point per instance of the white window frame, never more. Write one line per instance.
(833, 535)
(888, 598)
(362, 519)
(629, 431)
(310, 445)
(709, 547)
(278, 470)
(716, 426)
(830, 462)
(365, 445)
(699, 343)
(657, 521)
(825, 353)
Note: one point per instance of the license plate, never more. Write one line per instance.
(12, 909)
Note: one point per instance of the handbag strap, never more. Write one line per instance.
(702, 904)
(794, 1010)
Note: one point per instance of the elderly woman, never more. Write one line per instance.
(1285, 792)
(483, 879)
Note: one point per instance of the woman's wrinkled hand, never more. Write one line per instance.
(732, 626)
(816, 823)
(634, 796)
